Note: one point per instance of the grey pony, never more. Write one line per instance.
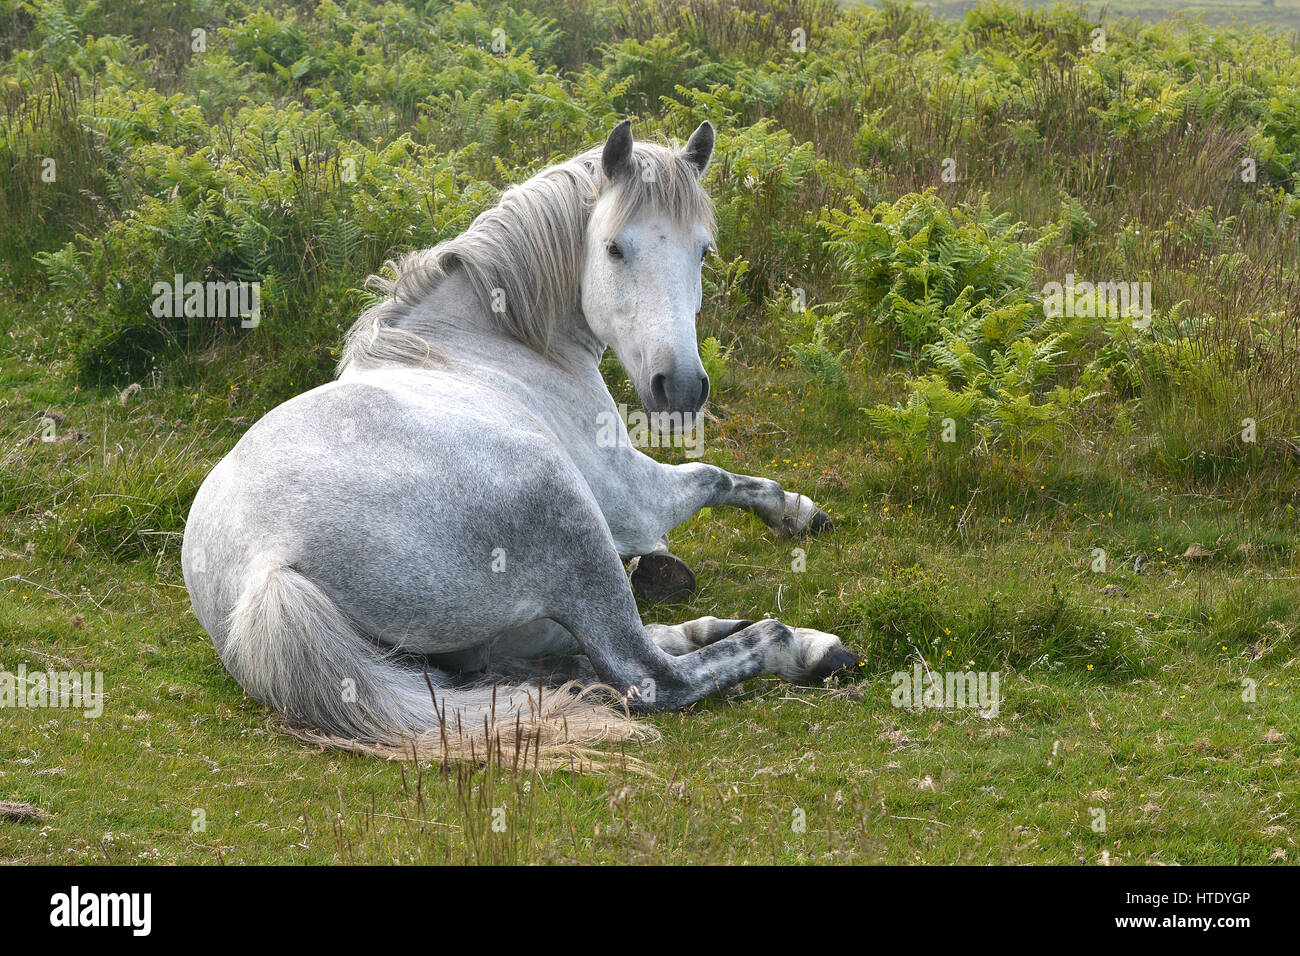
(381, 555)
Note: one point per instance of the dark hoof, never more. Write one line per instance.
(840, 662)
(662, 577)
(820, 523)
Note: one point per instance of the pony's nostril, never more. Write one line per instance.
(704, 391)
(659, 390)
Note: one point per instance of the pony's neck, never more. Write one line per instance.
(453, 313)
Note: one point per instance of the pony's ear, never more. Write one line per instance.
(616, 157)
(699, 148)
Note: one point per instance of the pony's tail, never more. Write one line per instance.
(290, 646)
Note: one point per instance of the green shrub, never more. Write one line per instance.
(811, 333)
(915, 266)
(954, 287)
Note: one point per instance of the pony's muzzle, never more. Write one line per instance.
(679, 392)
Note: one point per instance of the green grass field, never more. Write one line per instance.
(1148, 709)
(1157, 736)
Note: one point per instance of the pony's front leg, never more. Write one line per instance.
(815, 654)
(696, 485)
(642, 500)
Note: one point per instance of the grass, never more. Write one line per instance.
(1128, 702)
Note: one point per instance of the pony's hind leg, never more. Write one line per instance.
(665, 668)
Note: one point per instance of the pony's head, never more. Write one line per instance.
(650, 228)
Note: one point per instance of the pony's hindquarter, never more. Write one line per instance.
(334, 638)
(290, 647)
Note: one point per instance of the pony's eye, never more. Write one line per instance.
(614, 251)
